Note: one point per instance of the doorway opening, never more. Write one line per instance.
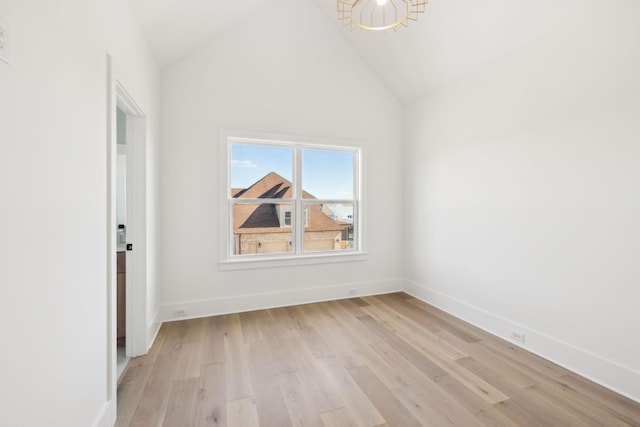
(121, 240)
(129, 224)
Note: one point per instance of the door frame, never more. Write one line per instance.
(136, 293)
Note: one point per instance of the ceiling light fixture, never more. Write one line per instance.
(379, 15)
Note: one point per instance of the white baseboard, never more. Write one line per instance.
(153, 329)
(259, 301)
(612, 375)
(107, 415)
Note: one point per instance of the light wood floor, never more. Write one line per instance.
(388, 360)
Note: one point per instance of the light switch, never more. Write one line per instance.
(5, 41)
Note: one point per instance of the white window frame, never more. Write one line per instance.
(230, 261)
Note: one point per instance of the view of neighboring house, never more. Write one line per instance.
(266, 227)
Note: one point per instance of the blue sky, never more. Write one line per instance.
(325, 174)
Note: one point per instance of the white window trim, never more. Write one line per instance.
(228, 262)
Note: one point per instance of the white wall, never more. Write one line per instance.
(53, 181)
(522, 201)
(136, 69)
(288, 71)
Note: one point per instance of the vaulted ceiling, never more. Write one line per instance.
(452, 39)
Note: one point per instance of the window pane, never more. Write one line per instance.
(329, 228)
(327, 174)
(262, 228)
(261, 171)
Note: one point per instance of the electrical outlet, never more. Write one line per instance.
(352, 292)
(517, 336)
(5, 41)
(180, 312)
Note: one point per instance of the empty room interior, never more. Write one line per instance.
(320, 213)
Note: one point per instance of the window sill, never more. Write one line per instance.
(290, 261)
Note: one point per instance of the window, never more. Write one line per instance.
(290, 199)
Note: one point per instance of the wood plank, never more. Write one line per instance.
(157, 389)
(385, 402)
(182, 403)
(299, 314)
(472, 381)
(429, 368)
(269, 401)
(443, 315)
(581, 417)
(213, 341)
(196, 329)
(478, 407)
(492, 376)
(130, 392)
(237, 379)
(351, 307)
(242, 412)
(527, 411)
(333, 320)
(171, 345)
(433, 407)
(361, 409)
(384, 370)
(285, 325)
(356, 330)
(621, 406)
(189, 361)
(281, 360)
(211, 406)
(522, 406)
(519, 374)
(523, 357)
(250, 322)
(337, 418)
(301, 408)
(151, 357)
(175, 335)
(343, 342)
(409, 330)
(319, 388)
(406, 372)
(314, 341)
(594, 409)
(358, 301)
(423, 317)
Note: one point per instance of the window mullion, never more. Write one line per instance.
(357, 196)
(230, 235)
(297, 185)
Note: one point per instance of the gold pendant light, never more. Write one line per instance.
(379, 15)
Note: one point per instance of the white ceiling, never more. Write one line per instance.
(176, 27)
(452, 39)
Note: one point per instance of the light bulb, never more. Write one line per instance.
(381, 2)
